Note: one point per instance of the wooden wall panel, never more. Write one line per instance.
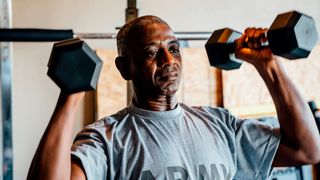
(245, 93)
(111, 94)
(199, 80)
(244, 87)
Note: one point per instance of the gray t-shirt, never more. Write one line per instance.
(185, 143)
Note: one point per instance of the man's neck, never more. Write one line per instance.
(161, 103)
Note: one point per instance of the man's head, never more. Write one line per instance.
(128, 32)
(149, 56)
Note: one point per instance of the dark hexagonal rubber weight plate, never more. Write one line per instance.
(220, 49)
(74, 66)
(292, 35)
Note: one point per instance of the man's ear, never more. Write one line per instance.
(122, 64)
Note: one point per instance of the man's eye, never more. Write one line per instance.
(152, 53)
(175, 51)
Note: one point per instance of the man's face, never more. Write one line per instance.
(156, 61)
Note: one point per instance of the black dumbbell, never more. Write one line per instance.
(74, 66)
(292, 35)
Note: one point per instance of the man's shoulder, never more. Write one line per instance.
(205, 109)
(217, 118)
(109, 120)
(214, 114)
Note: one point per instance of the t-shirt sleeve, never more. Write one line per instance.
(90, 150)
(256, 145)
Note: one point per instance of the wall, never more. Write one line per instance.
(34, 94)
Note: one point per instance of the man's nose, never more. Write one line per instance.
(166, 58)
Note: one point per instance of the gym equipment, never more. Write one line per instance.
(292, 35)
(74, 66)
(220, 49)
(48, 35)
(316, 115)
(6, 148)
(315, 112)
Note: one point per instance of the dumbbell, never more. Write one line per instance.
(292, 35)
(74, 66)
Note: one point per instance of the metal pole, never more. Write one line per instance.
(131, 13)
(95, 35)
(6, 153)
(47, 35)
(183, 36)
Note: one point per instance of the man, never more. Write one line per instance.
(155, 137)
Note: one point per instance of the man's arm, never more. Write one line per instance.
(52, 159)
(300, 140)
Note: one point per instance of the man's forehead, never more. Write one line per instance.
(156, 32)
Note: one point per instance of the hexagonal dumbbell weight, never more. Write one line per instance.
(292, 35)
(220, 49)
(74, 66)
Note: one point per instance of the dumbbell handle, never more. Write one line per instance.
(263, 44)
(35, 35)
(232, 35)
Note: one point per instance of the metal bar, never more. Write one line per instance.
(132, 4)
(131, 13)
(179, 35)
(39, 35)
(316, 115)
(95, 35)
(6, 153)
(132, 10)
(34, 35)
(191, 36)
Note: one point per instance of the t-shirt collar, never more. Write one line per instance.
(171, 114)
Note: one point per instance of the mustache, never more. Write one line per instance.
(168, 70)
(167, 73)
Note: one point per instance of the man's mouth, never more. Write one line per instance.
(167, 77)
